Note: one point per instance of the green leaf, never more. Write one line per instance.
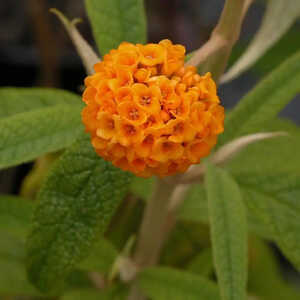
(265, 274)
(19, 100)
(14, 224)
(228, 233)
(258, 161)
(275, 200)
(88, 57)
(195, 209)
(75, 205)
(142, 187)
(27, 135)
(273, 157)
(12, 247)
(266, 157)
(161, 283)
(82, 294)
(202, 264)
(116, 21)
(13, 279)
(274, 56)
(270, 156)
(265, 101)
(113, 293)
(15, 215)
(101, 258)
(278, 18)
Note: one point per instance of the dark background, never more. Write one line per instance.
(36, 51)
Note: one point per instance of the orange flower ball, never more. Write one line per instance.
(149, 114)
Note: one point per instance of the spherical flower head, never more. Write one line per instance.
(149, 114)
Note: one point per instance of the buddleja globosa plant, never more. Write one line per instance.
(153, 194)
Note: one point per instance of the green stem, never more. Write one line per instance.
(152, 236)
(214, 54)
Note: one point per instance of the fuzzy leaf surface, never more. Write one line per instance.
(265, 101)
(270, 156)
(116, 21)
(160, 283)
(266, 157)
(76, 203)
(228, 233)
(278, 18)
(19, 100)
(25, 136)
(275, 200)
(195, 209)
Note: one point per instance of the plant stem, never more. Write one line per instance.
(84, 50)
(152, 236)
(97, 279)
(225, 153)
(213, 56)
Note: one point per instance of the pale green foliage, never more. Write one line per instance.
(12, 247)
(161, 283)
(12, 275)
(116, 21)
(13, 279)
(115, 293)
(274, 198)
(82, 294)
(195, 209)
(84, 50)
(265, 274)
(228, 233)
(101, 258)
(273, 155)
(17, 100)
(279, 17)
(265, 101)
(202, 264)
(75, 205)
(15, 216)
(36, 121)
(269, 181)
(28, 135)
(142, 187)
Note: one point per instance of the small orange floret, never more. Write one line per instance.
(132, 113)
(107, 128)
(148, 98)
(152, 54)
(147, 113)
